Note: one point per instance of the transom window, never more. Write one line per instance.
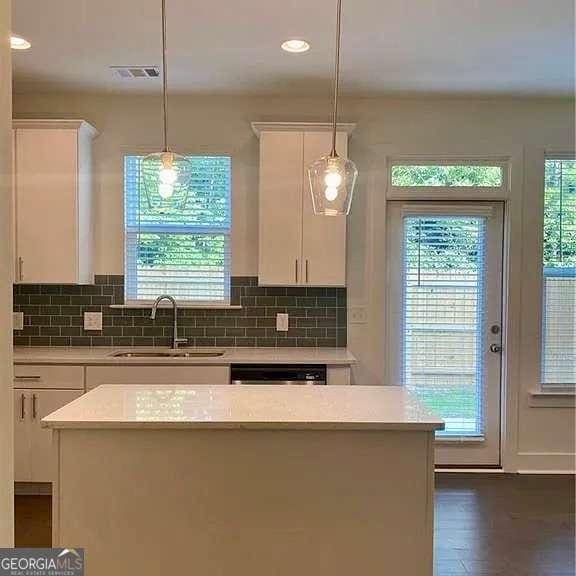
(446, 175)
(443, 179)
(559, 274)
(183, 251)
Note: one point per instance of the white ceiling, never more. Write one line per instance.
(229, 46)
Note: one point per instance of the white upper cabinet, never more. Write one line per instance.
(296, 247)
(52, 201)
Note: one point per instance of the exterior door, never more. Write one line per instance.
(445, 312)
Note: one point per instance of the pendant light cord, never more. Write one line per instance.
(164, 78)
(334, 154)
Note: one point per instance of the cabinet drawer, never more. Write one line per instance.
(97, 375)
(63, 377)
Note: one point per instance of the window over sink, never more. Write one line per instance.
(179, 250)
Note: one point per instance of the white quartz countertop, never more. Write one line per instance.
(246, 407)
(103, 356)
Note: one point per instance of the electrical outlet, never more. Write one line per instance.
(92, 320)
(18, 320)
(282, 322)
(358, 315)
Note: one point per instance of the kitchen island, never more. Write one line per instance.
(245, 480)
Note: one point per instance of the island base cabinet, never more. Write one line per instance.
(246, 502)
(33, 461)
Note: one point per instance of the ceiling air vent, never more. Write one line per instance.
(135, 71)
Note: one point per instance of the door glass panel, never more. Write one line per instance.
(443, 304)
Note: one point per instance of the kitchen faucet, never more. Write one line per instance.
(175, 340)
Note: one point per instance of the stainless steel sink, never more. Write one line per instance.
(166, 354)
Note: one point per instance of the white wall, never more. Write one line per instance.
(6, 441)
(515, 128)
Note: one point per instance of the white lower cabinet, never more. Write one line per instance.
(192, 375)
(33, 460)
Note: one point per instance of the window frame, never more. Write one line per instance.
(131, 238)
(547, 390)
(448, 193)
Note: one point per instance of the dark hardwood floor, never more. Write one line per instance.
(486, 525)
(504, 525)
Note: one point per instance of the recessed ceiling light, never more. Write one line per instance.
(19, 43)
(296, 46)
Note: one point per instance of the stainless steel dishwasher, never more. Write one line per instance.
(272, 374)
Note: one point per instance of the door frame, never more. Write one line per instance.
(449, 452)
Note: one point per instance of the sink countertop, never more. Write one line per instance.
(246, 407)
(102, 356)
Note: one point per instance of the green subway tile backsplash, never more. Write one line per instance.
(53, 316)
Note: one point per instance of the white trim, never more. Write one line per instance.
(50, 124)
(259, 127)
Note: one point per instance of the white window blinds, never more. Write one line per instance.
(181, 251)
(559, 274)
(443, 318)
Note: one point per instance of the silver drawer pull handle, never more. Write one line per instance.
(27, 377)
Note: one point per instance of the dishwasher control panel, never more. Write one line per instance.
(278, 374)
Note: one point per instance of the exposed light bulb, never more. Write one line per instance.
(19, 43)
(331, 193)
(165, 190)
(333, 178)
(168, 176)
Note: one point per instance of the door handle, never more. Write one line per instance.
(22, 407)
(20, 268)
(306, 271)
(296, 270)
(34, 411)
(496, 348)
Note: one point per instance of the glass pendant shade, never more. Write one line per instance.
(332, 181)
(166, 178)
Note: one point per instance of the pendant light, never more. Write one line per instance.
(332, 177)
(166, 175)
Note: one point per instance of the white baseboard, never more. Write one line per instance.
(545, 463)
(471, 471)
(549, 472)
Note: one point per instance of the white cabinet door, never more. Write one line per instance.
(42, 403)
(187, 375)
(280, 242)
(22, 441)
(323, 237)
(46, 205)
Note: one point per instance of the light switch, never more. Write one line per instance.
(282, 322)
(92, 320)
(18, 320)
